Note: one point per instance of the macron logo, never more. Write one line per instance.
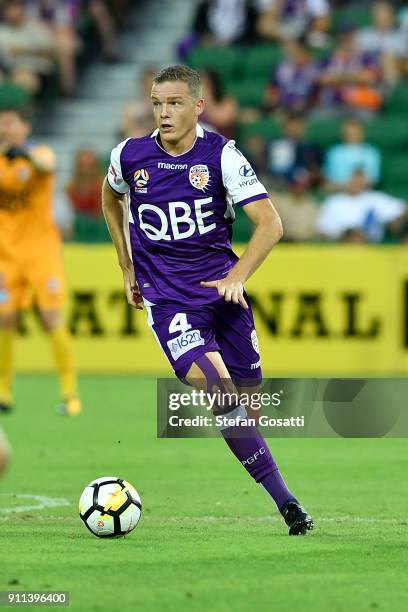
(167, 166)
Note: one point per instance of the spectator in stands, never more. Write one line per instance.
(220, 23)
(61, 17)
(221, 110)
(254, 148)
(3, 71)
(293, 154)
(384, 40)
(294, 84)
(360, 215)
(84, 189)
(298, 209)
(103, 20)
(354, 154)
(26, 47)
(84, 193)
(403, 17)
(403, 21)
(120, 11)
(137, 117)
(351, 79)
(282, 20)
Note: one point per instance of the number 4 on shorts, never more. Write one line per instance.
(179, 324)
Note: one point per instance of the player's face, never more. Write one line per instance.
(175, 110)
(13, 130)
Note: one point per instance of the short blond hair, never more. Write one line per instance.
(181, 73)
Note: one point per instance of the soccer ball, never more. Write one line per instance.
(110, 507)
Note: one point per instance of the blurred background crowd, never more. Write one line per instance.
(315, 93)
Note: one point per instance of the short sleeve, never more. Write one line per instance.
(115, 178)
(239, 178)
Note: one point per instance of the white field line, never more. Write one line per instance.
(41, 502)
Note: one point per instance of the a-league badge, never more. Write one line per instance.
(141, 178)
(199, 176)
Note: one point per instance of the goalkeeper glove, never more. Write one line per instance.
(16, 153)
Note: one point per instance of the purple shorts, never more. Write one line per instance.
(187, 333)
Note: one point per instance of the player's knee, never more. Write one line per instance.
(8, 320)
(50, 319)
(209, 370)
(211, 365)
(213, 377)
(251, 398)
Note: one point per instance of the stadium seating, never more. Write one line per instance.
(11, 95)
(360, 16)
(225, 62)
(245, 71)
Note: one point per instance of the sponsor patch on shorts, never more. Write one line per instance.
(53, 284)
(184, 343)
(4, 296)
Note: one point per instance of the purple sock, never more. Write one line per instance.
(247, 444)
(254, 454)
(274, 484)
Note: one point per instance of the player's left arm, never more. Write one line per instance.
(268, 231)
(245, 190)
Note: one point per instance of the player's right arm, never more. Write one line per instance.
(20, 163)
(115, 210)
(15, 172)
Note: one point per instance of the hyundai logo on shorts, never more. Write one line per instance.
(246, 170)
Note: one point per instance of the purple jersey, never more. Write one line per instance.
(181, 210)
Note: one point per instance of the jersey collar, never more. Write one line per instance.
(199, 134)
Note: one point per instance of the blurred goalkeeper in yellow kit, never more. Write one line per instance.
(31, 272)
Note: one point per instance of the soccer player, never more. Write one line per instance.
(30, 254)
(178, 187)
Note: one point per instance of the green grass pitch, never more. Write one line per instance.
(209, 537)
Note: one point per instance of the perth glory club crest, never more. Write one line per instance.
(199, 176)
